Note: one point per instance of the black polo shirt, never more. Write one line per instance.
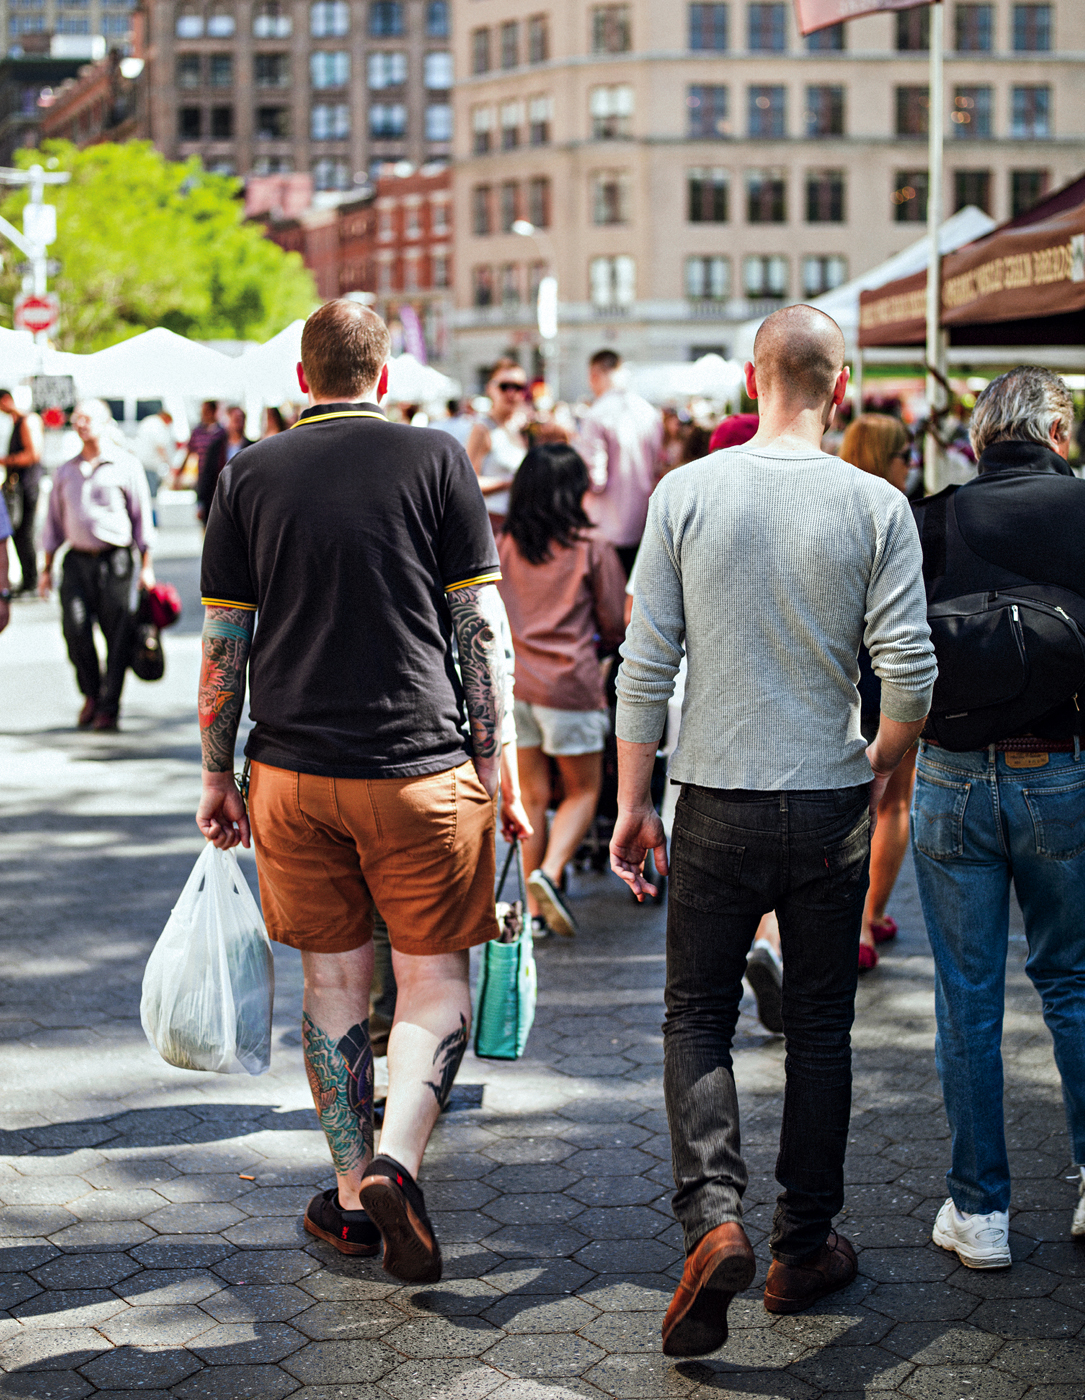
(344, 535)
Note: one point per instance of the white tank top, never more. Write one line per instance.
(503, 458)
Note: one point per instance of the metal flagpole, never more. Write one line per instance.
(936, 358)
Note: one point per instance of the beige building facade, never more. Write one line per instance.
(687, 166)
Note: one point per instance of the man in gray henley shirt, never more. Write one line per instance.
(767, 564)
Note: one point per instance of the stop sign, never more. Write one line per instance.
(37, 313)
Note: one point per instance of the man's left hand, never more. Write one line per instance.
(146, 577)
(221, 815)
(489, 772)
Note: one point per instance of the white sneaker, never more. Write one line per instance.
(979, 1241)
(1077, 1225)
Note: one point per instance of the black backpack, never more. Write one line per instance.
(1007, 655)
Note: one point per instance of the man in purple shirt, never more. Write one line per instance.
(100, 507)
(206, 442)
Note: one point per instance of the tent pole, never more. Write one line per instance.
(857, 383)
(932, 456)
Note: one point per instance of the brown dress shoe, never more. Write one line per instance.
(105, 724)
(790, 1288)
(86, 714)
(721, 1265)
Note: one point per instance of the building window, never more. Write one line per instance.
(538, 39)
(272, 165)
(766, 196)
(611, 29)
(825, 111)
(1027, 188)
(437, 26)
(439, 121)
(708, 195)
(539, 112)
(222, 70)
(767, 111)
(768, 28)
(387, 120)
(411, 272)
(385, 19)
(273, 123)
(329, 18)
(188, 70)
(971, 115)
(611, 112)
(329, 68)
(910, 197)
(330, 121)
(271, 21)
(1030, 112)
(511, 294)
(482, 279)
(972, 187)
(708, 28)
(189, 25)
(412, 221)
(386, 68)
(437, 70)
(708, 279)
(481, 217)
(708, 106)
(825, 197)
(974, 28)
(765, 278)
(439, 218)
(512, 117)
(538, 201)
(330, 174)
(482, 125)
(480, 51)
(189, 123)
(914, 30)
(828, 40)
(116, 24)
(821, 274)
(613, 282)
(67, 24)
(440, 270)
(510, 44)
(913, 109)
(610, 197)
(1032, 28)
(509, 205)
(220, 24)
(222, 123)
(272, 70)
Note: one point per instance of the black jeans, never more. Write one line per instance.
(24, 494)
(736, 855)
(99, 586)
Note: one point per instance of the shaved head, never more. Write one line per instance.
(798, 354)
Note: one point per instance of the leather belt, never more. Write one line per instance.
(1027, 743)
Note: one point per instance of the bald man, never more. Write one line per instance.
(768, 564)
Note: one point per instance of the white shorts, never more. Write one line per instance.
(560, 733)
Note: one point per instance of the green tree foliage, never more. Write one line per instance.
(144, 241)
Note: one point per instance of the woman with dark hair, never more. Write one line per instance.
(563, 587)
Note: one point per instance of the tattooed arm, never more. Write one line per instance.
(476, 619)
(227, 637)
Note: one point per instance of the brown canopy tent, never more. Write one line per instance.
(1022, 285)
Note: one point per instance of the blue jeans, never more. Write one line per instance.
(977, 824)
(735, 856)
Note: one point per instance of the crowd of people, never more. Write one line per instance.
(846, 667)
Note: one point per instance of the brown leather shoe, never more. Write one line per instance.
(790, 1288)
(721, 1265)
(86, 714)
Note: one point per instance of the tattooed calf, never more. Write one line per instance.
(450, 1052)
(341, 1078)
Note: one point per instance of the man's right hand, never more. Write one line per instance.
(221, 815)
(45, 584)
(635, 834)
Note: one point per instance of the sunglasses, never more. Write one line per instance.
(509, 386)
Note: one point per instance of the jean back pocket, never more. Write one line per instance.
(1058, 819)
(704, 873)
(938, 815)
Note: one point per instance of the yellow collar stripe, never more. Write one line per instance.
(344, 413)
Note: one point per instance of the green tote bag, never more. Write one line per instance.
(505, 1000)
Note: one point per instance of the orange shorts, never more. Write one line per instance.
(329, 849)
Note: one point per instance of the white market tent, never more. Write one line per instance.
(842, 303)
(19, 356)
(711, 377)
(156, 365)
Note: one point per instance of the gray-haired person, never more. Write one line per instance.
(1013, 811)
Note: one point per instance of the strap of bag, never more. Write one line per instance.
(934, 538)
(513, 855)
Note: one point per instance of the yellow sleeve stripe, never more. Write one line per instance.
(492, 577)
(227, 603)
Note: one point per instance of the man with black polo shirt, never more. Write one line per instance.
(357, 547)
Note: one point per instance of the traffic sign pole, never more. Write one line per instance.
(39, 230)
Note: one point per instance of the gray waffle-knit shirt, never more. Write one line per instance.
(769, 568)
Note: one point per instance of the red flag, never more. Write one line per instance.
(819, 14)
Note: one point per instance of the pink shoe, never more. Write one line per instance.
(884, 929)
(868, 958)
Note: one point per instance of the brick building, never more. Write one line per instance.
(105, 101)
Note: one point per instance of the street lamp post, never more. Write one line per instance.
(546, 310)
(39, 227)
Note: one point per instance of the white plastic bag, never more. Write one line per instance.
(210, 980)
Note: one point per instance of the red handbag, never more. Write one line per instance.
(160, 605)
